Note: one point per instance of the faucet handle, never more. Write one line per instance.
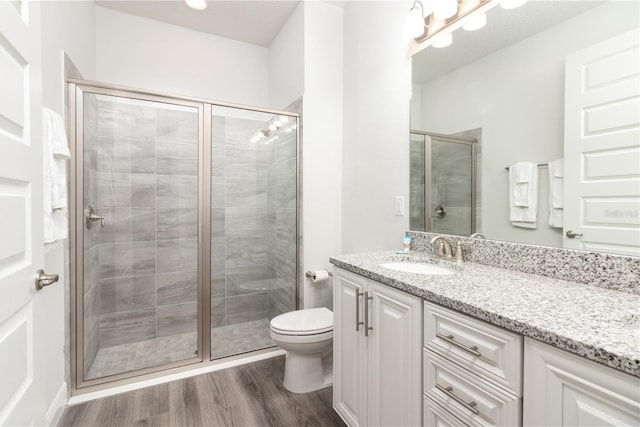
(458, 256)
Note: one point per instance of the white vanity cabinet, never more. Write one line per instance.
(562, 389)
(377, 341)
(472, 371)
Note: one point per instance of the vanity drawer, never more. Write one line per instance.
(488, 351)
(467, 396)
(436, 415)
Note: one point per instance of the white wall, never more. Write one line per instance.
(147, 54)
(322, 143)
(377, 87)
(286, 62)
(76, 38)
(519, 104)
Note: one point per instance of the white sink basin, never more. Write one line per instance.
(419, 268)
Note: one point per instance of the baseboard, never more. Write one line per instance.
(55, 410)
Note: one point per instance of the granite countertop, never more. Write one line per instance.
(597, 323)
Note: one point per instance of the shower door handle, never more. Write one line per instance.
(90, 217)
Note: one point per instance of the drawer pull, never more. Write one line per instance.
(448, 392)
(449, 338)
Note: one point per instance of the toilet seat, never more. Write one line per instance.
(312, 321)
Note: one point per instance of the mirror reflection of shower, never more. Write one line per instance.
(444, 171)
(273, 129)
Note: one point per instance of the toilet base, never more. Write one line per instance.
(303, 373)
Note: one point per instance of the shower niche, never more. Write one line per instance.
(185, 230)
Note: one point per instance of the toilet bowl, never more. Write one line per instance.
(307, 336)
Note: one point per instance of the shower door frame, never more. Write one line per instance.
(428, 216)
(75, 92)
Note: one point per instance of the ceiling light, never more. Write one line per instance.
(443, 40)
(475, 23)
(512, 4)
(414, 23)
(196, 4)
(443, 9)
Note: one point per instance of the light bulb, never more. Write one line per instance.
(443, 9)
(414, 23)
(475, 23)
(196, 4)
(443, 40)
(512, 4)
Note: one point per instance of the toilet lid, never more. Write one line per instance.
(304, 322)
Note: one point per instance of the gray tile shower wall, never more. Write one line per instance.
(239, 222)
(617, 272)
(282, 225)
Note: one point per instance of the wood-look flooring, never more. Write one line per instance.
(247, 395)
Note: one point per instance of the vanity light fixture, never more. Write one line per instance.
(443, 40)
(434, 21)
(475, 22)
(443, 9)
(196, 4)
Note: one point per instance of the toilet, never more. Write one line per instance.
(307, 336)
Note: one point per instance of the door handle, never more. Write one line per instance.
(572, 234)
(367, 328)
(90, 217)
(358, 322)
(43, 280)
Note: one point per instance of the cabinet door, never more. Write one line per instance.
(395, 343)
(562, 389)
(349, 348)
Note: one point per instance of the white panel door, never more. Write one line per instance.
(22, 400)
(349, 348)
(602, 146)
(395, 357)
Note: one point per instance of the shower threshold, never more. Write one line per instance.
(227, 340)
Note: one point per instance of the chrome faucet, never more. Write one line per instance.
(444, 249)
(478, 236)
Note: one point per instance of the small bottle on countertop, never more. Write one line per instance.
(406, 243)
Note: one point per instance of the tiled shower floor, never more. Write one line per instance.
(225, 341)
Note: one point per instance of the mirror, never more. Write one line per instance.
(504, 85)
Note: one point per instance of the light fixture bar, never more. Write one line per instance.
(452, 24)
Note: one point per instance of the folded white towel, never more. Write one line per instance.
(523, 174)
(523, 197)
(556, 193)
(55, 154)
(523, 171)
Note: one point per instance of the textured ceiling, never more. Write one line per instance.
(504, 28)
(255, 22)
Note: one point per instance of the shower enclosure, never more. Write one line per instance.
(184, 230)
(443, 180)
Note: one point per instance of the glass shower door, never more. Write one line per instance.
(253, 226)
(140, 232)
(442, 172)
(451, 188)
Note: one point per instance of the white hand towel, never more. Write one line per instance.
(523, 174)
(556, 193)
(55, 154)
(523, 198)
